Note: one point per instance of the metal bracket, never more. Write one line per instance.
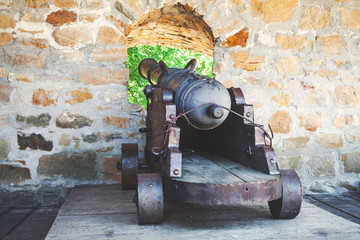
(259, 137)
(173, 156)
(170, 112)
(271, 160)
(248, 114)
(174, 163)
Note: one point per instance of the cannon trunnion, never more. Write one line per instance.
(203, 147)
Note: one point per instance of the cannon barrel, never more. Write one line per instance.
(190, 91)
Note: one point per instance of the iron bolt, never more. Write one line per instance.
(272, 161)
(248, 114)
(172, 116)
(150, 185)
(176, 172)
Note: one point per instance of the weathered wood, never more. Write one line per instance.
(202, 167)
(36, 225)
(184, 221)
(11, 219)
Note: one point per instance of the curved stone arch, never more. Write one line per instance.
(203, 18)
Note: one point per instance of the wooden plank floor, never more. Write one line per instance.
(107, 212)
(26, 222)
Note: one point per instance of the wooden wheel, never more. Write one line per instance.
(288, 206)
(150, 204)
(129, 166)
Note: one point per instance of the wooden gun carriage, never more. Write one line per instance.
(203, 147)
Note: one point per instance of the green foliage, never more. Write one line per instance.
(173, 57)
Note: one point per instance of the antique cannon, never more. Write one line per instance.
(203, 147)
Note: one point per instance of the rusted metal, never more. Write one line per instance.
(271, 160)
(222, 194)
(288, 206)
(150, 202)
(129, 166)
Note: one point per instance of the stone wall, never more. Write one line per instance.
(63, 101)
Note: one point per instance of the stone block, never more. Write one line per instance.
(101, 76)
(70, 120)
(290, 162)
(347, 95)
(280, 122)
(12, 174)
(238, 39)
(65, 3)
(65, 140)
(331, 44)
(44, 98)
(7, 21)
(92, 4)
(5, 38)
(350, 18)
(34, 142)
(110, 96)
(29, 60)
(32, 17)
(4, 149)
(108, 149)
(71, 55)
(245, 61)
(61, 17)
(73, 36)
(108, 35)
(297, 42)
(88, 17)
(41, 120)
(119, 122)
(5, 92)
(115, 21)
(311, 122)
(294, 143)
(37, 3)
(110, 54)
(343, 121)
(36, 42)
(100, 136)
(322, 167)
(351, 162)
(108, 166)
(137, 135)
(132, 108)
(330, 140)
(79, 166)
(78, 96)
(21, 77)
(125, 9)
(30, 31)
(283, 99)
(288, 66)
(315, 18)
(273, 10)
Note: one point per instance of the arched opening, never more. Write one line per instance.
(174, 34)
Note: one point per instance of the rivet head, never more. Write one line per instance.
(172, 116)
(176, 172)
(272, 161)
(248, 114)
(150, 185)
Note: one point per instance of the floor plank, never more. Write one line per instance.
(36, 225)
(185, 221)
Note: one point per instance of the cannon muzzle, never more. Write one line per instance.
(191, 91)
